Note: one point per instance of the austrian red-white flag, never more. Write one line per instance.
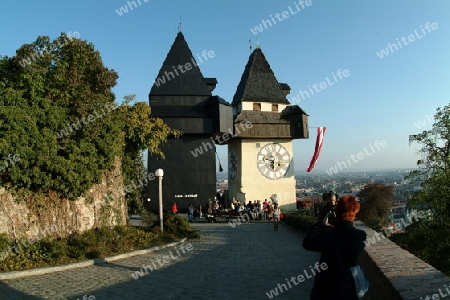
(319, 143)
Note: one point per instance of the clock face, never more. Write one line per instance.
(232, 162)
(273, 161)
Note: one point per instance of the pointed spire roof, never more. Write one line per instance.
(258, 82)
(173, 81)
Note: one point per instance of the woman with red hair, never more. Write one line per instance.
(340, 246)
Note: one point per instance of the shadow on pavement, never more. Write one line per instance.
(6, 293)
(114, 265)
(228, 267)
(245, 261)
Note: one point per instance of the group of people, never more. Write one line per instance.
(257, 210)
(340, 245)
(194, 213)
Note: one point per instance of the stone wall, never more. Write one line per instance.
(394, 273)
(33, 216)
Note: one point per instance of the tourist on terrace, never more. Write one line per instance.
(340, 247)
(328, 210)
(276, 217)
(174, 208)
(190, 212)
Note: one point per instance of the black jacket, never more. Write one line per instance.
(340, 247)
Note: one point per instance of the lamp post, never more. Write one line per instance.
(160, 173)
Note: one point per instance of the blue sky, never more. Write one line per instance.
(382, 98)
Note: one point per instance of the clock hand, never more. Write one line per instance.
(272, 164)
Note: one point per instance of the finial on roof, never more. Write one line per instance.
(250, 42)
(257, 43)
(179, 25)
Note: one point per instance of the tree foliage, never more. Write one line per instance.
(375, 204)
(143, 132)
(59, 117)
(427, 241)
(434, 168)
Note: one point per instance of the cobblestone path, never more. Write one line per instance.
(244, 262)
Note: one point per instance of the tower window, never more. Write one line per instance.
(257, 106)
(275, 107)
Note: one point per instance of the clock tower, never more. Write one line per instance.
(260, 155)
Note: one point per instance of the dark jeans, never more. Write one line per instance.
(276, 221)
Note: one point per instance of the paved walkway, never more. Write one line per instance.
(244, 262)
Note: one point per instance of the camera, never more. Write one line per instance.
(331, 215)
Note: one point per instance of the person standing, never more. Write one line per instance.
(174, 208)
(276, 217)
(298, 204)
(328, 210)
(190, 212)
(249, 209)
(210, 206)
(266, 209)
(270, 211)
(216, 207)
(259, 209)
(340, 246)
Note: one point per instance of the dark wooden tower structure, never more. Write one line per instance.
(183, 98)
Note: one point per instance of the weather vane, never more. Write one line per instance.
(179, 25)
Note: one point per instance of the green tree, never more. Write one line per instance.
(434, 168)
(428, 238)
(142, 132)
(58, 115)
(47, 107)
(376, 203)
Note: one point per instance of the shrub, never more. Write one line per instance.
(138, 238)
(97, 242)
(300, 222)
(101, 245)
(25, 258)
(4, 242)
(55, 250)
(178, 227)
(305, 212)
(375, 204)
(77, 246)
(94, 253)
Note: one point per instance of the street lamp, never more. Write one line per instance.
(160, 173)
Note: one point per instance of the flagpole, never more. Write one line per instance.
(220, 165)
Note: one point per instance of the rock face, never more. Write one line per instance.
(43, 216)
